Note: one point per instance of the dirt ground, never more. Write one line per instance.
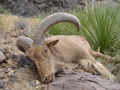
(18, 73)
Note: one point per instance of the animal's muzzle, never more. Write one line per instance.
(47, 79)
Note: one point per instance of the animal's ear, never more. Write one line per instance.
(52, 43)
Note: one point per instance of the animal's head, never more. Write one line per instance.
(38, 51)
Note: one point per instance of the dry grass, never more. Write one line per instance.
(7, 22)
(33, 23)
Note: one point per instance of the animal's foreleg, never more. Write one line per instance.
(87, 65)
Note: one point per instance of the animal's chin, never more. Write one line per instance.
(48, 79)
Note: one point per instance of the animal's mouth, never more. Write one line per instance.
(48, 79)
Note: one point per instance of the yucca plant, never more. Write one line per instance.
(101, 27)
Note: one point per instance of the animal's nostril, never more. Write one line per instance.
(47, 79)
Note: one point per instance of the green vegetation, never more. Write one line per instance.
(101, 27)
(3, 11)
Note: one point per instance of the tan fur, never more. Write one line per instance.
(89, 65)
(58, 50)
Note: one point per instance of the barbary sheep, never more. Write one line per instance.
(46, 51)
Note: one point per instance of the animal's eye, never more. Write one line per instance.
(46, 51)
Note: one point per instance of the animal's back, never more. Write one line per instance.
(69, 48)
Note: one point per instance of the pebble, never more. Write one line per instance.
(32, 83)
(2, 56)
(14, 56)
(37, 82)
(12, 78)
(9, 62)
(8, 70)
(5, 80)
(1, 84)
(11, 72)
(2, 75)
(3, 65)
(7, 41)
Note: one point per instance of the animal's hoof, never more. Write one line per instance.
(48, 79)
(91, 70)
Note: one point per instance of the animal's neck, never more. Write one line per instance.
(55, 56)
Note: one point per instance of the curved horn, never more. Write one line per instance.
(52, 20)
(24, 43)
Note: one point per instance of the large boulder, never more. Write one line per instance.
(82, 81)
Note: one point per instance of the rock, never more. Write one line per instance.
(7, 41)
(2, 75)
(9, 62)
(12, 78)
(6, 80)
(3, 65)
(8, 70)
(11, 72)
(32, 83)
(1, 84)
(8, 53)
(33, 7)
(2, 56)
(37, 82)
(82, 81)
(14, 56)
(22, 61)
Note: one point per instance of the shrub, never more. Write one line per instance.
(101, 27)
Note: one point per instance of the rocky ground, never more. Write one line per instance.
(34, 7)
(19, 73)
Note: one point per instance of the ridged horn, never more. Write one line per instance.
(50, 21)
(24, 43)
